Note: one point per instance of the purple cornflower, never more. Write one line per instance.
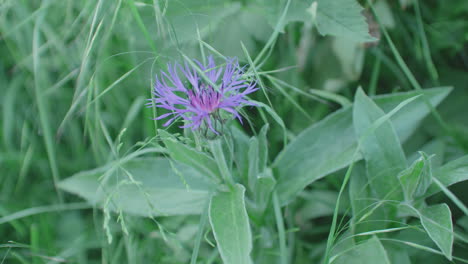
(194, 99)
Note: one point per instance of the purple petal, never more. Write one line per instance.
(163, 116)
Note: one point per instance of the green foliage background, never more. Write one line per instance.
(322, 172)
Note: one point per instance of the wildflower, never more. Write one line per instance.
(198, 101)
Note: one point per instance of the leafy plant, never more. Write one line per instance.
(326, 144)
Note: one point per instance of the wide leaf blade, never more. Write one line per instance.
(231, 228)
(329, 145)
(368, 252)
(143, 186)
(453, 172)
(437, 220)
(381, 148)
(416, 179)
(185, 154)
(342, 18)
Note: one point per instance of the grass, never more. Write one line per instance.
(75, 75)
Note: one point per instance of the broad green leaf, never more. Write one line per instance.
(360, 194)
(397, 254)
(419, 245)
(450, 173)
(409, 178)
(182, 153)
(257, 157)
(437, 221)
(365, 210)
(381, 149)
(143, 186)
(416, 179)
(319, 150)
(369, 252)
(241, 146)
(263, 189)
(230, 224)
(216, 147)
(342, 18)
(262, 194)
(329, 145)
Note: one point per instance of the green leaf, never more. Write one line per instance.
(241, 146)
(342, 18)
(450, 173)
(381, 149)
(265, 184)
(437, 221)
(264, 188)
(253, 162)
(182, 153)
(366, 211)
(216, 147)
(257, 157)
(230, 223)
(329, 145)
(263, 148)
(397, 254)
(360, 194)
(319, 150)
(416, 179)
(143, 186)
(369, 252)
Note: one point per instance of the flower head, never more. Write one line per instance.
(197, 100)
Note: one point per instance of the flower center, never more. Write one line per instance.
(205, 99)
